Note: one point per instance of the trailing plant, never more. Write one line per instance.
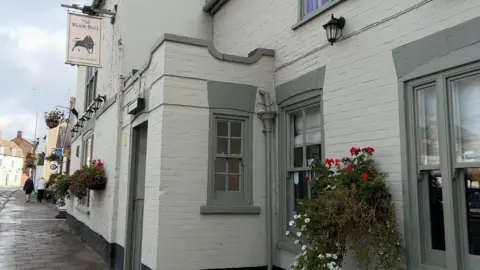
(60, 187)
(351, 209)
(77, 186)
(52, 178)
(52, 157)
(30, 160)
(95, 175)
(54, 115)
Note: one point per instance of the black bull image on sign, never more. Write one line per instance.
(86, 42)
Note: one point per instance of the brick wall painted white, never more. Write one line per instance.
(360, 91)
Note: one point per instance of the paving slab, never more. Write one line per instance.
(32, 239)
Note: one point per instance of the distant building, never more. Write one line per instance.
(11, 164)
(27, 148)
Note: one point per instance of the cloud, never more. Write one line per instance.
(32, 49)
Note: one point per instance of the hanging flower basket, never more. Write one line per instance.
(53, 118)
(53, 157)
(30, 161)
(95, 178)
(52, 123)
(96, 183)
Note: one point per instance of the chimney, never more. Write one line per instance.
(19, 134)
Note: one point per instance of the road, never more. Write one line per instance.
(31, 238)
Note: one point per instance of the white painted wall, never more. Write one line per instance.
(144, 21)
(10, 171)
(360, 91)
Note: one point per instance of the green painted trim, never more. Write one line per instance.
(252, 57)
(420, 52)
(231, 96)
(236, 102)
(288, 245)
(295, 102)
(305, 19)
(210, 209)
(310, 81)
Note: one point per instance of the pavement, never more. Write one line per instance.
(32, 239)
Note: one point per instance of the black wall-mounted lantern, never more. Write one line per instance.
(334, 29)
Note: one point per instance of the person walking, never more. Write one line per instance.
(28, 187)
(40, 189)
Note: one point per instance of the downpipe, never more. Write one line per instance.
(267, 115)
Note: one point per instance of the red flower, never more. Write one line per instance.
(98, 169)
(349, 168)
(355, 151)
(369, 150)
(306, 178)
(329, 162)
(364, 176)
(337, 163)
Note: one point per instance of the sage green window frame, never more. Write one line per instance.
(241, 203)
(417, 238)
(286, 110)
(85, 201)
(90, 85)
(304, 18)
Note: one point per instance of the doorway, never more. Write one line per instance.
(133, 258)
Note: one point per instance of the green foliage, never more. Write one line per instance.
(350, 209)
(77, 185)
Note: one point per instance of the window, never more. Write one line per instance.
(309, 6)
(13, 164)
(1, 163)
(91, 85)
(14, 151)
(230, 176)
(444, 167)
(1, 150)
(304, 136)
(87, 159)
(228, 158)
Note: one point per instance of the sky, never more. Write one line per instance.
(32, 55)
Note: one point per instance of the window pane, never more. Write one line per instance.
(314, 125)
(437, 225)
(428, 128)
(313, 152)
(235, 146)
(222, 146)
(222, 128)
(308, 6)
(298, 157)
(236, 129)
(220, 165)
(233, 183)
(323, 2)
(298, 130)
(233, 166)
(300, 189)
(466, 115)
(220, 182)
(473, 209)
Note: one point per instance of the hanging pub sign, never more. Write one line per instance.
(84, 40)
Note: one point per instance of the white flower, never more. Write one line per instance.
(304, 247)
(296, 216)
(303, 228)
(334, 187)
(287, 233)
(305, 253)
(321, 256)
(296, 241)
(307, 220)
(334, 256)
(295, 264)
(291, 223)
(328, 255)
(299, 234)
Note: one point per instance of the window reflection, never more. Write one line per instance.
(466, 115)
(473, 209)
(428, 129)
(437, 225)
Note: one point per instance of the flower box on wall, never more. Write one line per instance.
(97, 183)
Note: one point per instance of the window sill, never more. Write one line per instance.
(83, 209)
(212, 209)
(315, 14)
(288, 245)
